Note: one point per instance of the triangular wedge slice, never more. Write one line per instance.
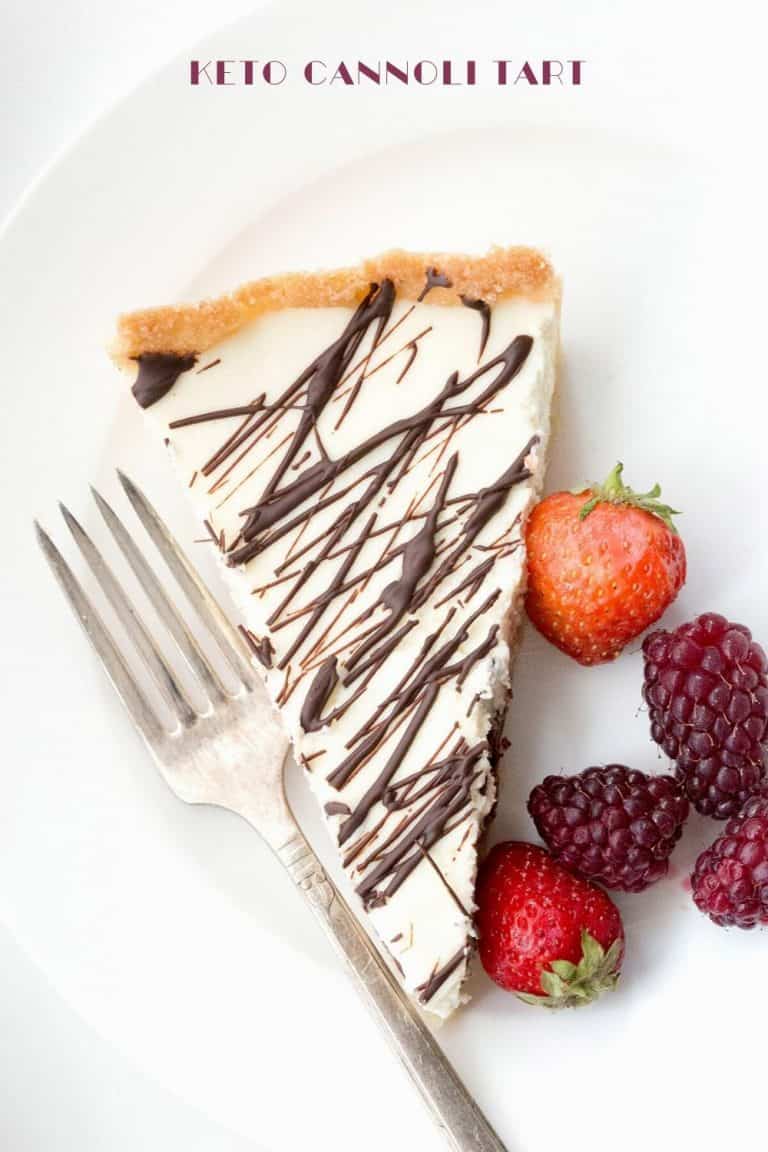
(364, 446)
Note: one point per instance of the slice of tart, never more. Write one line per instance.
(364, 446)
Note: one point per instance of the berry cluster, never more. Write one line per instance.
(706, 687)
(603, 564)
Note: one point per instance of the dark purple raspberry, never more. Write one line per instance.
(730, 880)
(706, 686)
(611, 824)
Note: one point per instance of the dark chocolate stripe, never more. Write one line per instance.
(262, 649)
(434, 279)
(158, 372)
(317, 696)
(336, 808)
(439, 977)
(417, 557)
(485, 319)
(413, 349)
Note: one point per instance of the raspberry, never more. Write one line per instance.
(730, 880)
(706, 686)
(612, 824)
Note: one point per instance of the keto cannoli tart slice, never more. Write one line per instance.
(364, 446)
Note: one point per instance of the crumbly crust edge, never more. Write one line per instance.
(183, 329)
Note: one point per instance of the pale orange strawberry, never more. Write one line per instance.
(603, 564)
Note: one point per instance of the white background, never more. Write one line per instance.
(666, 70)
(63, 1088)
(64, 64)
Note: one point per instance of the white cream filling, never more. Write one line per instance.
(427, 920)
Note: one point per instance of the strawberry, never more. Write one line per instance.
(603, 564)
(546, 934)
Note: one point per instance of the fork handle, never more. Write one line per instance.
(456, 1113)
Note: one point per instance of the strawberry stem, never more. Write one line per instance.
(569, 985)
(613, 490)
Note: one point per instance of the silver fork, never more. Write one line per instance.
(210, 758)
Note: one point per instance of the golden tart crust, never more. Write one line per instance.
(182, 329)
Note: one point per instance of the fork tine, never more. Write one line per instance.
(122, 678)
(226, 635)
(156, 664)
(161, 602)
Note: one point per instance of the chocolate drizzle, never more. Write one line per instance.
(261, 648)
(275, 505)
(324, 373)
(485, 317)
(419, 680)
(331, 523)
(336, 808)
(488, 501)
(434, 279)
(449, 799)
(316, 698)
(158, 372)
(428, 989)
(417, 557)
(412, 350)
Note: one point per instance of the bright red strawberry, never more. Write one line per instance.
(546, 934)
(603, 564)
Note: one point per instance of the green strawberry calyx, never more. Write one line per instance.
(613, 490)
(570, 985)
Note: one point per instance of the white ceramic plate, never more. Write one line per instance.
(170, 930)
